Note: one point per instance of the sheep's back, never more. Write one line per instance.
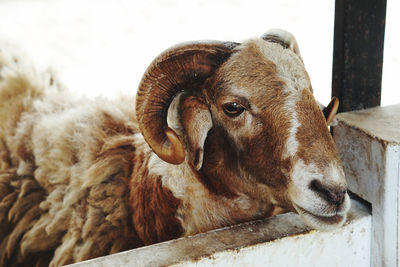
(64, 170)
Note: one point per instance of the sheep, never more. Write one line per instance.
(222, 133)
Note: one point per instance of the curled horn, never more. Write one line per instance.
(177, 69)
(331, 110)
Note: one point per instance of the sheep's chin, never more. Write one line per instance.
(319, 222)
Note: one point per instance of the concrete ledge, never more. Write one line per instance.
(282, 240)
(369, 145)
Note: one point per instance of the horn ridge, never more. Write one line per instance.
(178, 68)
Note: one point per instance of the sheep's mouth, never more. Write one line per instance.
(327, 220)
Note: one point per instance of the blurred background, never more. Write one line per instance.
(102, 47)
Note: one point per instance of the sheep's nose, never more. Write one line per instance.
(333, 196)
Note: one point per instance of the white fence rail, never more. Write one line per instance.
(282, 240)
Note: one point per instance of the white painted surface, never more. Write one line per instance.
(282, 240)
(369, 144)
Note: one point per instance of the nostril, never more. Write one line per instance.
(331, 195)
(336, 197)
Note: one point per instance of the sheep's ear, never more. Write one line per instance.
(196, 120)
(330, 110)
(282, 37)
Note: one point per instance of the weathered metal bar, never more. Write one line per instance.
(358, 53)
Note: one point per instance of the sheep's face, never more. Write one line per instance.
(268, 128)
(244, 119)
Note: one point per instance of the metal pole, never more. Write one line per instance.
(358, 53)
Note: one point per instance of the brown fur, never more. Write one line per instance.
(219, 163)
(20, 197)
(153, 207)
(261, 148)
(313, 144)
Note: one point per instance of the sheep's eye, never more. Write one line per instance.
(233, 109)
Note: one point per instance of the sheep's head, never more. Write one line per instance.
(243, 117)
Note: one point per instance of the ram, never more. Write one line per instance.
(222, 133)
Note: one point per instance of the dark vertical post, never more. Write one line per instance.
(358, 53)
